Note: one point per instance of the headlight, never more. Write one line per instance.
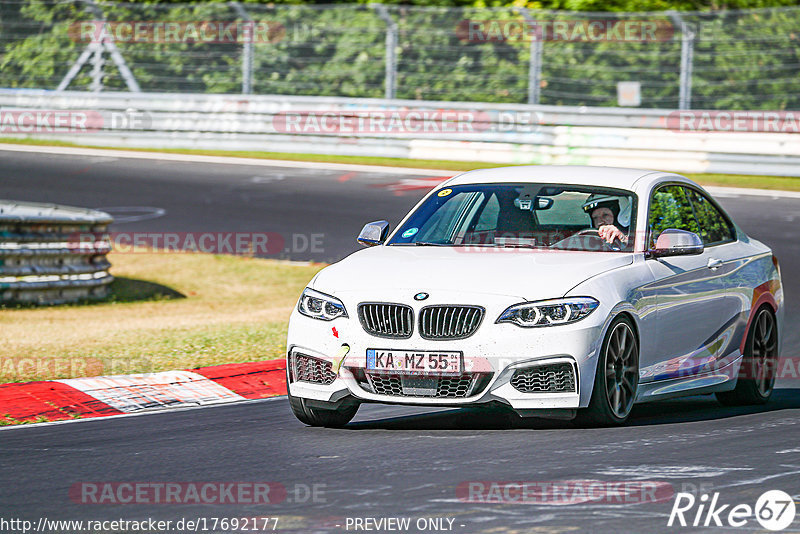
(320, 306)
(549, 312)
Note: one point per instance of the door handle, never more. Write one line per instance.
(714, 264)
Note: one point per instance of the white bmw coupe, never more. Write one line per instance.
(569, 292)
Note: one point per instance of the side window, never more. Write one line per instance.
(450, 217)
(488, 219)
(670, 207)
(714, 228)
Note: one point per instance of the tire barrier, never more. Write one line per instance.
(52, 254)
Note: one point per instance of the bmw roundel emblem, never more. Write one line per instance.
(421, 296)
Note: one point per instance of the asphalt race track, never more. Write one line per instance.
(391, 461)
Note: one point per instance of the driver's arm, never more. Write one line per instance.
(609, 233)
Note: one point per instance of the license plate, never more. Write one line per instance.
(415, 361)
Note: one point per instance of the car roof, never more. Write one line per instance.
(616, 177)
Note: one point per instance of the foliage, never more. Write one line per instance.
(742, 59)
(684, 209)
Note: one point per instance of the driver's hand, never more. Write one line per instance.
(609, 233)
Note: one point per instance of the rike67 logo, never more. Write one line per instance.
(774, 510)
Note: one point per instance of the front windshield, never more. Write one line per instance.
(531, 215)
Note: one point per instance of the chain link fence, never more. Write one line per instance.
(720, 60)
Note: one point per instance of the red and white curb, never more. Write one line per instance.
(79, 398)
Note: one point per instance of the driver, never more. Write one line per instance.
(608, 213)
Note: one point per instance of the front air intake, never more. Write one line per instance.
(313, 370)
(548, 378)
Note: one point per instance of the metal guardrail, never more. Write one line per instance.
(52, 254)
(253, 113)
(502, 133)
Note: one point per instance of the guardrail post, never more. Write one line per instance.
(76, 67)
(247, 50)
(113, 51)
(687, 57)
(390, 82)
(97, 48)
(535, 61)
(97, 70)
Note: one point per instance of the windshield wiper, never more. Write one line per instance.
(429, 244)
(517, 245)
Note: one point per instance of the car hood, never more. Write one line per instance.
(523, 273)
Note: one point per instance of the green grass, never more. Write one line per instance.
(320, 158)
(786, 183)
(7, 420)
(168, 311)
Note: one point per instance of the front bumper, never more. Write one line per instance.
(491, 357)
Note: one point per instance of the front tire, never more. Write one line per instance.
(312, 413)
(756, 379)
(318, 413)
(616, 379)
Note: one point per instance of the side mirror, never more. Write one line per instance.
(672, 242)
(373, 233)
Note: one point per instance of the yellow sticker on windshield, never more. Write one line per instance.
(445, 192)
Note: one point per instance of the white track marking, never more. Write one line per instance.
(644, 472)
(8, 428)
(267, 179)
(191, 158)
(129, 214)
(790, 470)
(132, 393)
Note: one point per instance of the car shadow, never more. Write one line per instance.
(135, 290)
(682, 410)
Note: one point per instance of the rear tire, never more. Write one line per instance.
(616, 379)
(756, 379)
